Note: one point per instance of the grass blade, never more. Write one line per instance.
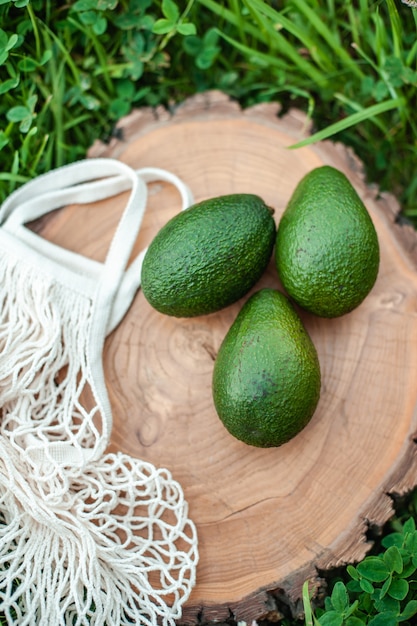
(277, 42)
(243, 27)
(357, 107)
(275, 18)
(271, 60)
(329, 37)
(396, 27)
(360, 116)
(308, 614)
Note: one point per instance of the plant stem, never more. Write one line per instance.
(33, 20)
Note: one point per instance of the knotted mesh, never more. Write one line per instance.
(86, 537)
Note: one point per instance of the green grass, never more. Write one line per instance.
(352, 66)
(380, 590)
(69, 71)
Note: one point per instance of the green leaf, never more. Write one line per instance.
(339, 597)
(31, 102)
(409, 76)
(354, 621)
(408, 569)
(170, 10)
(385, 587)
(373, 568)
(380, 90)
(89, 102)
(162, 26)
(393, 559)
(192, 45)
(136, 70)
(118, 108)
(89, 18)
(393, 539)
(410, 542)
(18, 113)
(206, 58)
(353, 586)
(106, 5)
(387, 604)
(350, 610)
(27, 64)
(9, 84)
(367, 85)
(46, 56)
(211, 37)
(141, 93)
(398, 589)
(331, 618)
(13, 39)
(137, 44)
(186, 28)
(394, 68)
(100, 26)
(146, 22)
(84, 5)
(133, 20)
(409, 526)
(25, 124)
(366, 586)
(4, 140)
(409, 610)
(3, 39)
(125, 89)
(384, 619)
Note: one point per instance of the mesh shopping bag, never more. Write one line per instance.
(86, 536)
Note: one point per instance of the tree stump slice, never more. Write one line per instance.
(267, 519)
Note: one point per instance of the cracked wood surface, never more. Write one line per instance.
(267, 519)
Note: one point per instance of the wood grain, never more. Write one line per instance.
(267, 519)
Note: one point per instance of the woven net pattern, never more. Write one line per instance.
(85, 537)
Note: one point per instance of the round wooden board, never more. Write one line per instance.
(267, 519)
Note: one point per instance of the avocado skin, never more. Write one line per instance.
(327, 251)
(266, 376)
(208, 256)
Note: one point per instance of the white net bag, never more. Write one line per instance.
(86, 537)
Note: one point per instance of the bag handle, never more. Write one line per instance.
(73, 183)
(132, 277)
(83, 182)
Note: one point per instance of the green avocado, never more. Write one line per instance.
(266, 377)
(208, 256)
(327, 251)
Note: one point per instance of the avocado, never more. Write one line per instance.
(327, 252)
(208, 256)
(266, 376)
